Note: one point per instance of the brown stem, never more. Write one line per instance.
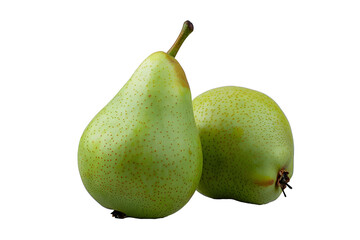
(188, 27)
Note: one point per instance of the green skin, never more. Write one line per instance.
(141, 154)
(246, 140)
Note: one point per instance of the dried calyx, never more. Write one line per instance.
(283, 179)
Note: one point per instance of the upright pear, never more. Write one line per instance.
(141, 154)
(247, 145)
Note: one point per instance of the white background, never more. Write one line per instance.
(62, 61)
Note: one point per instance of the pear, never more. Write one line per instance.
(248, 148)
(141, 154)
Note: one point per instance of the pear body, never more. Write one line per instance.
(141, 154)
(246, 140)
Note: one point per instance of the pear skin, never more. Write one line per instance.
(248, 149)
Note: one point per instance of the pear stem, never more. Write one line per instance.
(188, 27)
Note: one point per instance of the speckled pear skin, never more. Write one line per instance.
(141, 154)
(246, 140)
